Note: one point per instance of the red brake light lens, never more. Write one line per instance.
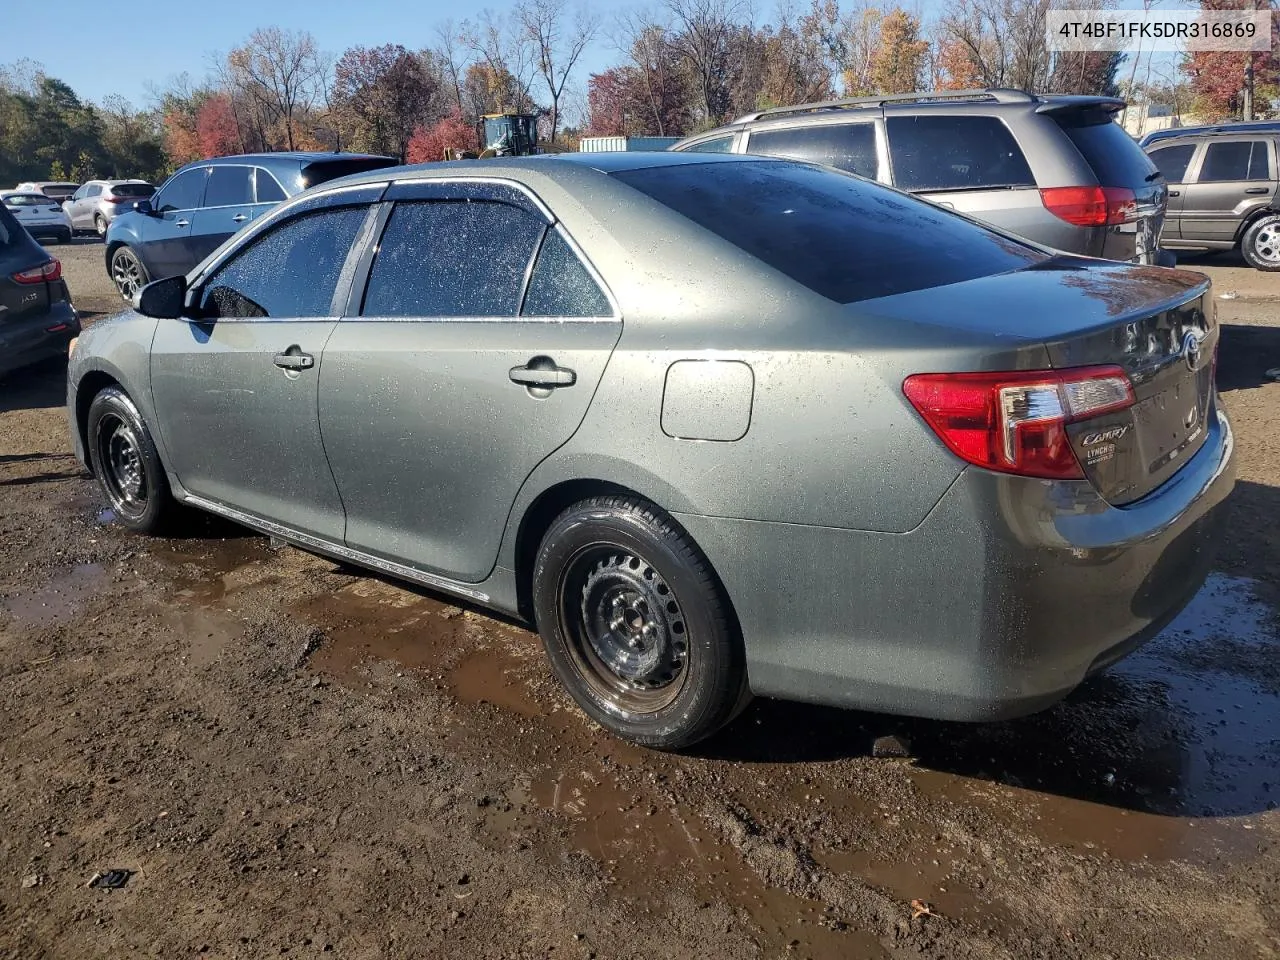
(1091, 206)
(1017, 422)
(49, 271)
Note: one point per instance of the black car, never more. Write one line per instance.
(37, 320)
(205, 202)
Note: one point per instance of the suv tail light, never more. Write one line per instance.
(1016, 422)
(1091, 206)
(48, 271)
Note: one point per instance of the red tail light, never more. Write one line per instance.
(1016, 422)
(49, 271)
(1091, 206)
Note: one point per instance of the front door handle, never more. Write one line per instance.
(1175, 193)
(182, 223)
(294, 361)
(1258, 190)
(543, 372)
(239, 218)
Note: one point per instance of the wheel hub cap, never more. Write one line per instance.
(1267, 243)
(633, 623)
(126, 465)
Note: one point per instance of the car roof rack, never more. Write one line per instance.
(1214, 129)
(997, 94)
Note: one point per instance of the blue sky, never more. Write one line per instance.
(155, 43)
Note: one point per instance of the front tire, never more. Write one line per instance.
(128, 273)
(1260, 244)
(127, 464)
(636, 624)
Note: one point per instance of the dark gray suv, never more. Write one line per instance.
(1223, 193)
(1056, 170)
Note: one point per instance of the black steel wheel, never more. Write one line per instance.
(636, 625)
(126, 463)
(128, 273)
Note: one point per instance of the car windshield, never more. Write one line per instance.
(132, 190)
(843, 237)
(1114, 155)
(28, 200)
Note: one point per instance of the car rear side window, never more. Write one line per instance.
(955, 153)
(183, 192)
(229, 187)
(1172, 161)
(268, 191)
(289, 271)
(847, 146)
(844, 238)
(1114, 156)
(561, 286)
(714, 145)
(1237, 160)
(452, 259)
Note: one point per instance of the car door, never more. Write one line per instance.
(236, 388)
(845, 146)
(166, 233)
(1235, 177)
(73, 207)
(227, 206)
(1172, 162)
(440, 393)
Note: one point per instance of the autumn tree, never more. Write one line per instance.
(952, 66)
(1004, 41)
(659, 76)
(898, 62)
(506, 56)
(847, 40)
(389, 93)
(278, 76)
(1217, 77)
(430, 143)
(794, 67)
(702, 37)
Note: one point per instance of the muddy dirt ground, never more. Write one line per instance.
(291, 757)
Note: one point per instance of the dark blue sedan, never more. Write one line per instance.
(205, 202)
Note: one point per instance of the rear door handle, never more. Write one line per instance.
(182, 223)
(1258, 190)
(543, 372)
(239, 218)
(1175, 193)
(294, 361)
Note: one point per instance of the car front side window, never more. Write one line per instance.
(291, 270)
(452, 259)
(183, 192)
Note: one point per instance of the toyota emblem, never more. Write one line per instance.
(1191, 350)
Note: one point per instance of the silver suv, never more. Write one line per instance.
(98, 202)
(1056, 170)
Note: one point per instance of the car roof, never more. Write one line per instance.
(302, 156)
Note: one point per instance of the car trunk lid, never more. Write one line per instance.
(1156, 325)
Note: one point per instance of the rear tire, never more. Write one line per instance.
(636, 624)
(1260, 244)
(99, 224)
(127, 273)
(127, 464)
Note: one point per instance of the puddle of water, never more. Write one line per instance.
(1158, 758)
(206, 631)
(106, 516)
(59, 600)
(490, 676)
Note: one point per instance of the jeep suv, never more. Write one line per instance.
(1223, 193)
(205, 202)
(1056, 170)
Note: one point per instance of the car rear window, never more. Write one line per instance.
(10, 231)
(844, 238)
(955, 153)
(29, 200)
(133, 190)
(324, 170)
(1115, 157)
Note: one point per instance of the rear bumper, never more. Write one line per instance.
(30, 339)
(1001, 602)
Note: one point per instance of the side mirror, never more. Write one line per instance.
(163, 299)
(143, 207)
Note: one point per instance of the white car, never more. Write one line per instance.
(59, 190)
(41, 216)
